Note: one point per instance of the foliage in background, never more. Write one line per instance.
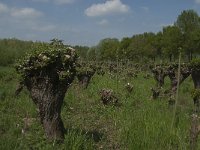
(12, 49)
(165, 45)
(183, 36)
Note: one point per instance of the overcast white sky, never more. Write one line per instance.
(85, 22)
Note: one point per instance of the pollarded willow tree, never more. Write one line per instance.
(85, 73)
(47, 74)
(195, 72)
(159, 72)
(174, 76)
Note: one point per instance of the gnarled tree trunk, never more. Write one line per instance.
(173, 76)
(47, 73)
(48, 92)
(196, 80)
(85, 77)
(159, 75)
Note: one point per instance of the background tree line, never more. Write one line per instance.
(183, 36)
(14, 49)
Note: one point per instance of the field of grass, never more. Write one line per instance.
(138, 123)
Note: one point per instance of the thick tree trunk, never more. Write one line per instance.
(54, 127)
(174, 82)
(196, 80)
(174, 78)
(84, 80)
(47, 73)
(159, 76)
(85, 77)
(48, 94)
(50, 109)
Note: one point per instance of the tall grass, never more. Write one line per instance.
(139, 123)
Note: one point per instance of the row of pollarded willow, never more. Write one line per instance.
(47, 73)
(50, 69)
(195, 73)
(171, 70)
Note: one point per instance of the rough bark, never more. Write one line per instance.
(85, 77)
(173, 76)
(48, 92)
(173, 80)
(159, 75)
(196, 80)
(47, 73)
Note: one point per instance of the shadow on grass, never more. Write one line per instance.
(94, 135)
